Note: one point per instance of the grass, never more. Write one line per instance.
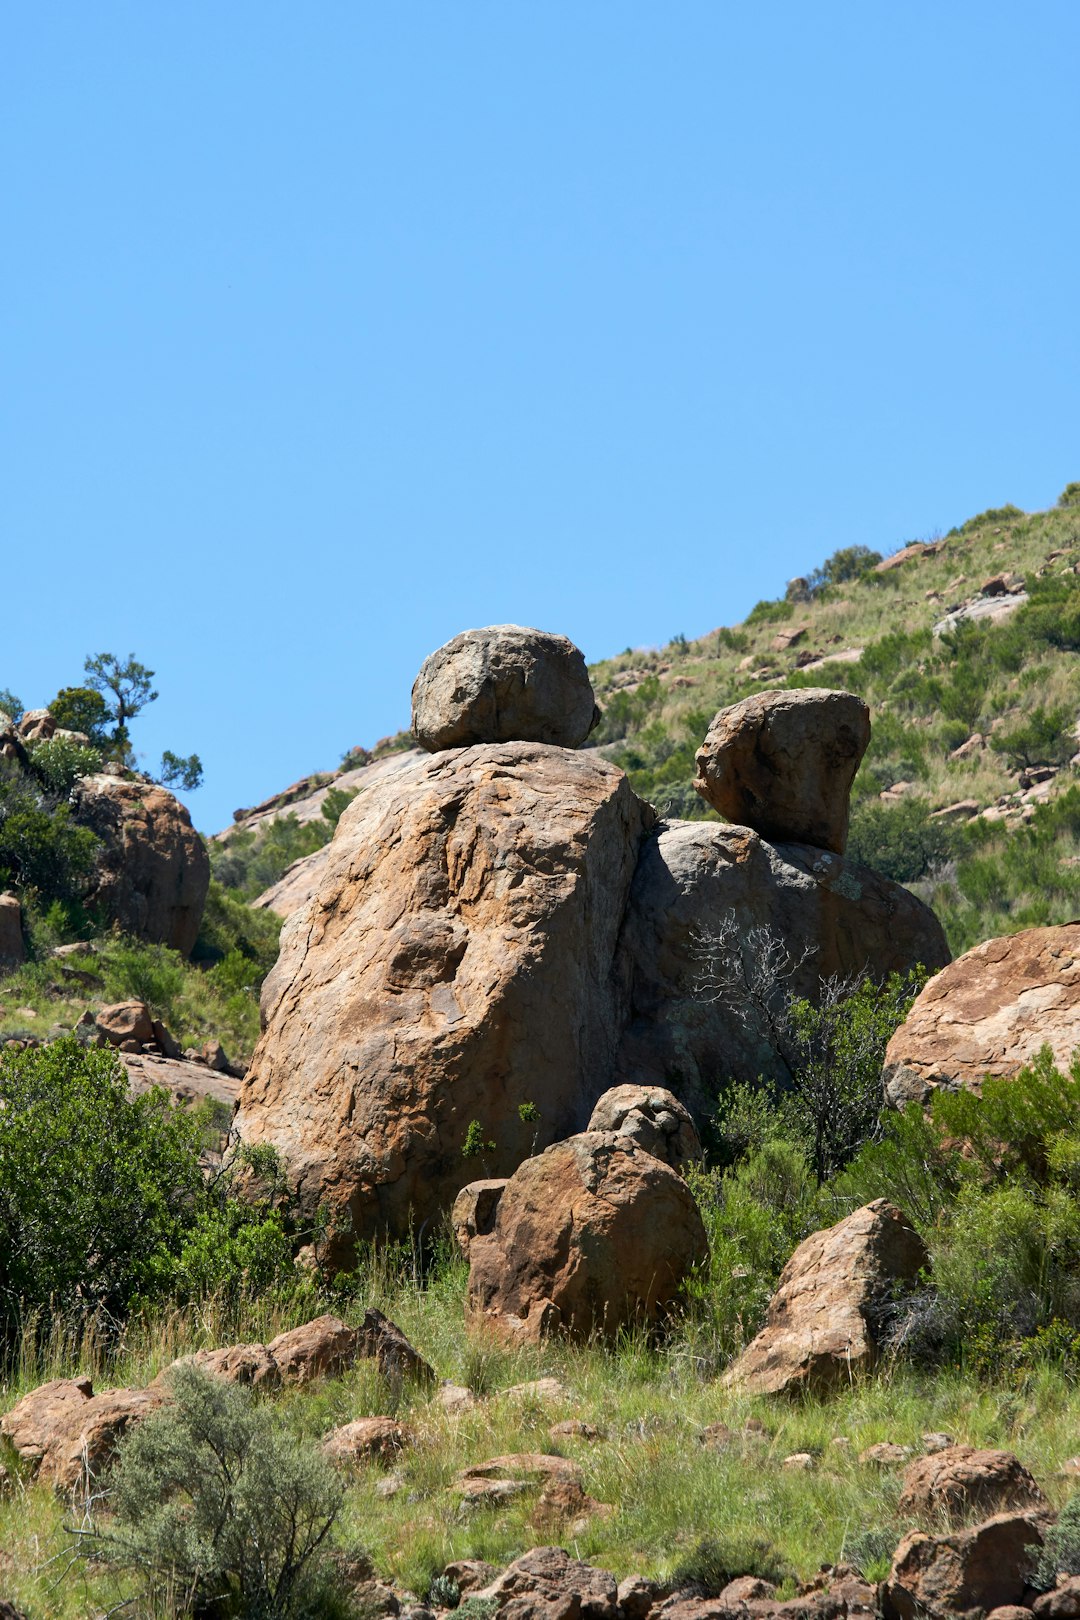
(669, 1494)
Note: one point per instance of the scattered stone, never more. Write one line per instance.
(383, 1341)
(962, 1480)
(503, 684)
(455, 1398)
(67, 1434)
(370, 1439)
(555, 1585)
(981, 607)
(908, 553)
(798, 1459)
(470, 1574)
(972, 1571)
(590, 1236)
(213, 1054)
(823, 1320)
(574, 1429)
(975, 744)
(885, 1454)
(783, 763)
(654, 1119)
(1002, 585)
(962, 810)
(784, 639)
(1063, 1603)
(37, 725)
(988, 1013)
(537, 1389)
(934, 1440)
(477, 1489)
(637, 1596)
(716, 1437)
(565, 1507)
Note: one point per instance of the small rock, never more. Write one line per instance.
(885, 1454)
(537, 1389)
(798, 1459)
(933, 1441)
(470, 1574)
(637, 1597)
(574, 1429)
(716, 1436)
(366, 1440)
(1063, 1603)
(745, 1589)
(455, 1398)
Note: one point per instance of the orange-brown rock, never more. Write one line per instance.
(67, 1433)
(968, 1573)
(151, 872)
(318, 1349)
(126, 1021)
(474, 1211)
(689, 877)
(248, 1364)
(46, 1417)
(1062, 1603)
(367, 1439)
(962, 1480)
(989, 1013)
(589, 1236)
(454, 964)
(503, 684)
(653, 1118)
(547, 1584)
(783, 762)
(822, 1321)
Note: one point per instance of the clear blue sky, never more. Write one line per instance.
(330, 330)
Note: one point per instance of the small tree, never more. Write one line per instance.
(81, 708)
(831, 1049)
(127, 689)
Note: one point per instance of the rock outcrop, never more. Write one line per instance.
(969, 1573)
(503, 684)
(783, 763)
(824, 1320)
(589, 1236)
(689, 878)
(152, 871)
(651, 1117)
(454, 964)
(960, 1481)
(989, 1013)
(12, 948)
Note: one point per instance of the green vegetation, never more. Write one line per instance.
(252, 860)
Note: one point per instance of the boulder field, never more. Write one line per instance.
(502, 931)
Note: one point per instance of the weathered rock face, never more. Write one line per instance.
(821, 1323)
(503, 684)
(67, 1433)
(969, 1573)
(783, 763)
(591, 1235)
(688, 879)
(962, 1480)
(454, 964)
(12, 949)
(651, 1117)
(474, 1211)
(988, 1013)
(152, 871)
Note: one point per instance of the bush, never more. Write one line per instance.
(58, 763)
(43, 852)
(1044, 737)
(80, 708)
(766, 612)
(92, 1182)
(1061, 1544)
(850, 562)
(900, 841)
(1070, 495)
(218, 1507)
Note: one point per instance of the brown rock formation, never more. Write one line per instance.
(591, 1235)
(688, 879)
(651, 1117)
(820, 1325)
(365, 1440)
(989, 1013)
(783, 763)
(968, 1573)
(152, 872)
(454, 964)
(503, 684)
(963, 1480)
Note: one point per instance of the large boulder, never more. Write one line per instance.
(67, 1434)
(653, 1118)
(783, 763)
(590, 1236)
(968, 1574)
(823, 1321)
(12, 948)
(834, 916)
(454, 964)
(503, 684)
(989, 1013)
(152, 871)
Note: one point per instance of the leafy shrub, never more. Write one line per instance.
(714, 1562)
(901, 841)
(1043, 737)
(850, 562)
(1060, 1552)
(993, 514)
(10, 705)
(43, 852)
(80, 708)
(1070, 496)
(58, 763)
(766, 612)
(140, 972)
(217, 1504)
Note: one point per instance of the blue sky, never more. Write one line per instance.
(332, 330)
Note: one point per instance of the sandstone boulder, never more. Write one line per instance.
(126, 1021)
(474, 1211)
(37, 725)
(454, 964)
(365, 1440)
(822, 1323)
(152, 871)
(12, 949)
(589, 1236)
(692, 875)
(651, 1117)
(962, 1480)
(503, 684)
(969, 1573)
(989, 1013)
(783, 763)
(67, 1433)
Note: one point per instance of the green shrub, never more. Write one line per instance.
(58, 763)
(43, 852)
(1060, 1552)
(1070, 496)
(766, 612)
(10, 705)
(80, 708)
(1043, 737)
(216, 1506)
(900, 841)
(850, 562)
(135, 971)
